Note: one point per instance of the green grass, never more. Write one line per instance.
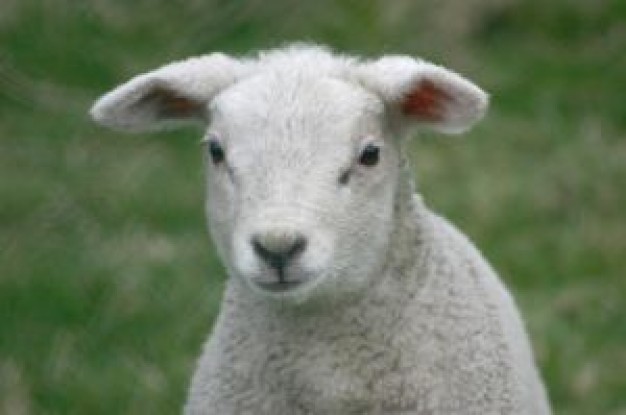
(108, 281)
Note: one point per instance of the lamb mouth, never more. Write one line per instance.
(278, 286)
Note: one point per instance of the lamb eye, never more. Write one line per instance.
(216, 151)
(370, 155)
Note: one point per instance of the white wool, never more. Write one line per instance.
(346, 295)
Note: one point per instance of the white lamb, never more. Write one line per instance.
(346, 295)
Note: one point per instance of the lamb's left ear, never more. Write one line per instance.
(425, 93)
(171, 95)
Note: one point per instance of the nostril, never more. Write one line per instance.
(299, 245)
(277, 252)
(261, 250)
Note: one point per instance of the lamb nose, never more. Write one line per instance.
(278, 249)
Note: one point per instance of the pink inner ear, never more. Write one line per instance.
(426, 102)
(169, 105)
(181, 107)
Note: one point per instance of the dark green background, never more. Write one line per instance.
(108, 282)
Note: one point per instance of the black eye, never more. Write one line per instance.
(370, 155)
(216, 151)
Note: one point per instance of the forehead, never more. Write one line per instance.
(305, 107)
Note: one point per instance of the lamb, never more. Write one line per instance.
(346, 294)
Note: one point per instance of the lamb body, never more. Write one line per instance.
(384, 307)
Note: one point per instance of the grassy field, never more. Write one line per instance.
(108, 282)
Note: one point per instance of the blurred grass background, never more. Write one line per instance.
(108, 283)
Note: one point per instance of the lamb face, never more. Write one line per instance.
(303, 155)
(301, 181)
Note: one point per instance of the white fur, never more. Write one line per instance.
(395, 312)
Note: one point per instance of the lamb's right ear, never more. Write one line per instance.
(171, 95)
